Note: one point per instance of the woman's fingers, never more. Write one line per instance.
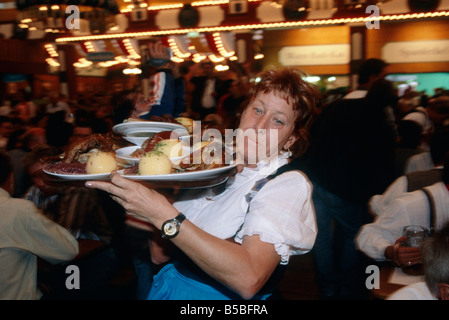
(118, 185)
(105, 186)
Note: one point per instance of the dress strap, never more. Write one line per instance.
(260, 183)
(433, 212)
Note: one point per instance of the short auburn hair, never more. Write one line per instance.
(304, 97)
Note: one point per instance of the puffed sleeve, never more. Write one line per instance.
(282, 213)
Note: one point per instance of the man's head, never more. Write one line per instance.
(34, 138)
(34, 164)
(207, 68)
(369, 71)
(438, 110)
(435, 253)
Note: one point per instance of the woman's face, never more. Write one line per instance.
(267, 124)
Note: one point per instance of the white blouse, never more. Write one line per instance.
(411, 208)
(281, 213)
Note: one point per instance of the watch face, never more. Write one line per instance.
(170, 229)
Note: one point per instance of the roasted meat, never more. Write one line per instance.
(101, 142)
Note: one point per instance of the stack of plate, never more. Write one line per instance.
(137, 132)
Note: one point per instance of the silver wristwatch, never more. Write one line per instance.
(170, 228)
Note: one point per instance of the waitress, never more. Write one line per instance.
(234, 245)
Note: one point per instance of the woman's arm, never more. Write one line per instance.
(243, 268)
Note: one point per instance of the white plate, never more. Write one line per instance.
(123, 154)
(138, 141)
(183, 176)
(131, 129)
(79, 177)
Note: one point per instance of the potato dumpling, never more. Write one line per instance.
(187, 123)
(172, 148)
(154, 162)
(101, 162)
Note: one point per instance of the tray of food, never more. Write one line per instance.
(169, 162)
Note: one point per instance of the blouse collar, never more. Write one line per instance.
(265, 167)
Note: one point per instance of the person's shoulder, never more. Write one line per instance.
(415, 291)
(22, 205)
(294, 177)
(17, 209)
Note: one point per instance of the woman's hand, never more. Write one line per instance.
(137, 199)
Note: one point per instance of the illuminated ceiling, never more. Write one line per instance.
(7, 13)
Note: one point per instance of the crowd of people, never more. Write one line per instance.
(347, 175)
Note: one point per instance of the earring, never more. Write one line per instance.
(289, 153)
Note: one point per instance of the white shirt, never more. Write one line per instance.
(419, 162)
(208, 100)
(411, 208)
(356, 94)
(415, 291)
(420, 117)
(281, 213)
(26, 234)
(380, 202)
(59, 106)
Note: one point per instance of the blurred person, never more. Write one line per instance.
(409, 101)
(90, 216)
(411, 181)
(408, 141)
(236, 244)
(32, 139)
(5, 108)
(350, 159)
(25, 109)
(207, 89)
(435, 255)
(41, 192)
(56, 104)
(81, 131)
(162, 98)
(25, 235)
(231, 104)
(434, 116)
(427, 207)
(180, 72)
(6, 129)
(369, 71)
(122, 106)
(58, 131)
